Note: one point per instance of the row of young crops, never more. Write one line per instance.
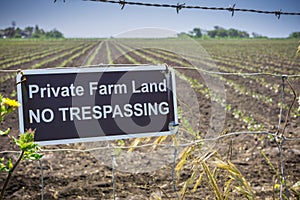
(241, 58)
(252, 102)
(257, 89)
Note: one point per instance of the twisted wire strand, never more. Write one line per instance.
(178, 7)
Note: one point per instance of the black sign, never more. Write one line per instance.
(92, 104)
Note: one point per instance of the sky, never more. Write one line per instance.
(79, 18)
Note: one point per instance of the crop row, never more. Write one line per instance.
(239, 56)
(23, 57)
(238, 86)
(243, 89)
(34, 57)
(235, 112)
(258, 66)
(248, 82)
(249, 120)
(73, 53)
(186, 126)
(259, 81)
(94, 53)
(11, 49)
(265, 52)
(108, 53)
(275, 53)
(251, 123)
(75, 56)
(251, 81)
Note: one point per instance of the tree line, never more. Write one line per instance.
(219, 32)
(29, 32)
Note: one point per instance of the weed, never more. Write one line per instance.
(25, 142)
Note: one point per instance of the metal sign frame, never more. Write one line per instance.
(104, 69)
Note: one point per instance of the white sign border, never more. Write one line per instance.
(104, 68)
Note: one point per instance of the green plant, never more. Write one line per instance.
(25, 142)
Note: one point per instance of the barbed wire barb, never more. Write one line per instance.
(231, 9)
(122, 3)
(278, 13)
(178, 7)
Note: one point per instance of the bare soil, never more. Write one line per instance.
(91, 175)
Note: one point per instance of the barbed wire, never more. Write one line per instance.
(180, 6)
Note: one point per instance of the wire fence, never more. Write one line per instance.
(180, 6)
(279, 135)
(195, 142)
(283, 76)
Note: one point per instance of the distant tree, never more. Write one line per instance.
(222, 33)
(36, 29)
(54, 34)
(9, 32)
(218, 27)
(42, 32)
(212, 33)
(218, 32)
(197, 32)
(2, 35)
(256, 35)
(244, 34)
(38, 32)
(36, 35)
(18, 30)
(183, 34)
(29, 30)
(294, 35)
(233, 33)
(18, 33)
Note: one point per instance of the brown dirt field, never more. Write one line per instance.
(88, 175)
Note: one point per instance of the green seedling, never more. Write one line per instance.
(29, 150)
